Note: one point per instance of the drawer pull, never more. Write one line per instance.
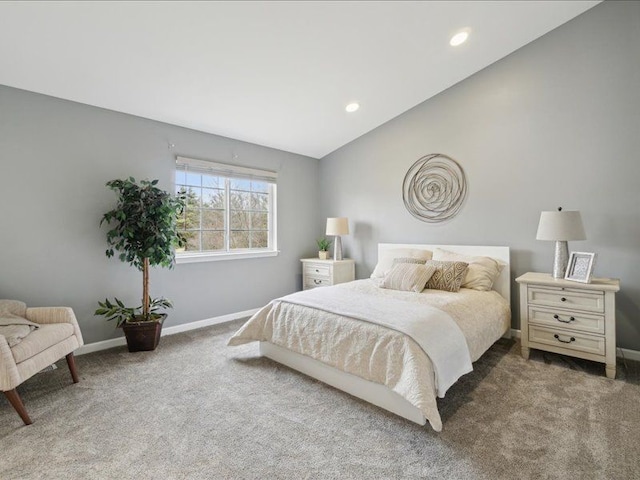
(317, 271)
(571, 319)
(557, 337)
(563, 299)
(317, 282)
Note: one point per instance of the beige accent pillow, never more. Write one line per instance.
(385, 262)
(482, 271)
(447, 276)
(408, 277)
(15, 307)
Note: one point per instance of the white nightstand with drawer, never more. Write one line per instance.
(322, 273)
(570, 318)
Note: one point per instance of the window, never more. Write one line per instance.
(230, 211)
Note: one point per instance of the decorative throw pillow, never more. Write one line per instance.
(447, 275)
(409, 277)
(482, 271)
(15, 307)
(385, 262)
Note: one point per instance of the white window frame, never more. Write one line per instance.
(233, 172)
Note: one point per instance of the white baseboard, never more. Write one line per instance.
(117, 342)
(97, 346)
(629, 354)
(185, 327)
(621, 352)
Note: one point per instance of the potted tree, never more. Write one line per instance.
(323, 248)
(144, 231)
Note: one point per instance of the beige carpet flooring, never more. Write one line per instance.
(196, 409)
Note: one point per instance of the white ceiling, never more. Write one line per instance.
(273, 73)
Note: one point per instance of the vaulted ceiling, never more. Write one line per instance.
(277, 74)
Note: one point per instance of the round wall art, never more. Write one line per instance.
(434, 188)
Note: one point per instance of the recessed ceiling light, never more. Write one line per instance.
(458, 39)
(352, 107)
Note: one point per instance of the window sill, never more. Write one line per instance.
(215, 257)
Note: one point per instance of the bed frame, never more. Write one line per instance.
(371, 392)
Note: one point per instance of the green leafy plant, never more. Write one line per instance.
(121, 314)
(144, 230)
(323, 244)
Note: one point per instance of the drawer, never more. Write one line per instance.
(581, 342)
(317, 270)
(567, 298)
(312, 282)
(570, 320)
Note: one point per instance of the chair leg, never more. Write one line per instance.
(16, 402)
(71, 361)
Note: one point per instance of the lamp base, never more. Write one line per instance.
(337, 249)
(561, 259)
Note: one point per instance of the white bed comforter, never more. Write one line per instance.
(375, 352)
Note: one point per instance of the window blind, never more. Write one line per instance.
(225, 170)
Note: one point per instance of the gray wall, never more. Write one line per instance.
(55, 157)
(556, 123)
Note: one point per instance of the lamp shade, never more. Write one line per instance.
(337, 226)
(561, 226)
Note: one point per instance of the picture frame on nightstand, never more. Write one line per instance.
(580, 267)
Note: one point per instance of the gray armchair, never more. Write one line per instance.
(58, 336)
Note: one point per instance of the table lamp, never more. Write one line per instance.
(337, 226)
(560, 226)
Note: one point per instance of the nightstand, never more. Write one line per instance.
(322, 273)
(570, 318)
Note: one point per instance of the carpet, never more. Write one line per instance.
(197, 409)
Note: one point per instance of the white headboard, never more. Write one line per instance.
(502, 285)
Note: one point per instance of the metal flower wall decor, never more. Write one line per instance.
(434, 188)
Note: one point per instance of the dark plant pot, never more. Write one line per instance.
(143, 336)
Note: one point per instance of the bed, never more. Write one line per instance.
(330, 337)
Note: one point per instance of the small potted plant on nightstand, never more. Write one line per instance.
(323, 248)
(144, 230)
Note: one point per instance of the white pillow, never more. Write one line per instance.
(385, 262)
(409, 277)
(481, 273)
